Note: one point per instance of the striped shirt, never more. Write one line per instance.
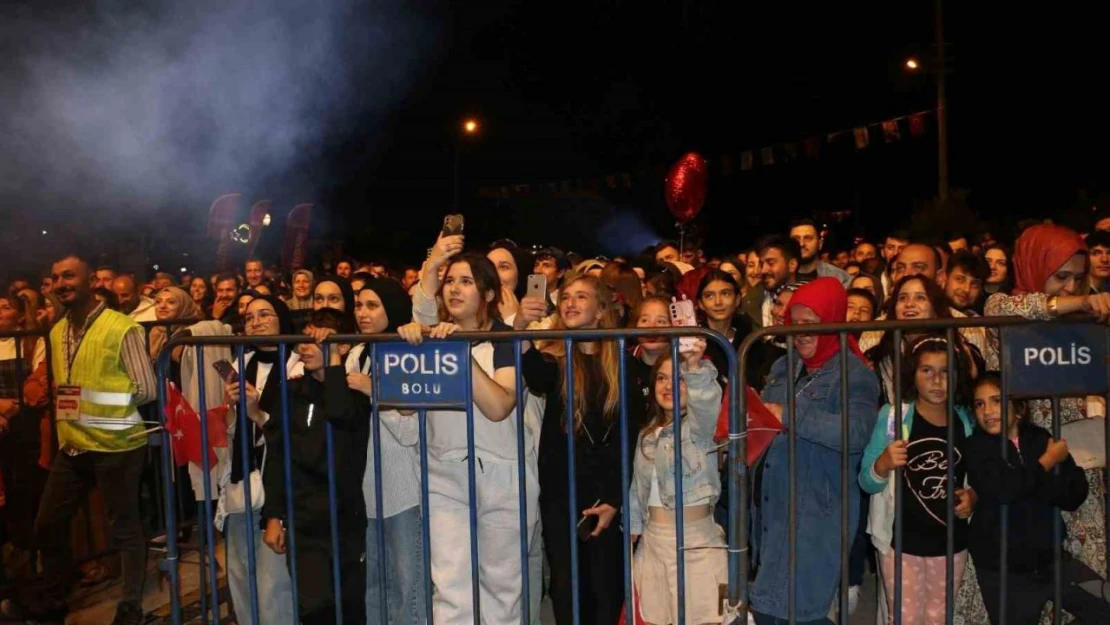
(133, 353)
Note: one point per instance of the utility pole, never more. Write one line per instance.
(942, 109)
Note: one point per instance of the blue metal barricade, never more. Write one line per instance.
(739, 518)
(374, 343)
(737, 473)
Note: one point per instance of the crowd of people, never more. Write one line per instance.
(72, 416)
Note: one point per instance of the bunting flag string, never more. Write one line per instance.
(730, 164)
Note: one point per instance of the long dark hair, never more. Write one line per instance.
(937, 299)
(485, 279)
(993, 378)
(656, 416)
(937, 344)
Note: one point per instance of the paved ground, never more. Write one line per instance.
(96, 606)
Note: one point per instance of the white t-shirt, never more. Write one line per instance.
(7, 351)
(447, 428)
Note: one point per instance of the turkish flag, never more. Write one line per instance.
(637, 617)
(183, 426)
(763, 425)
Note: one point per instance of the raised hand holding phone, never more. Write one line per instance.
(684, 316)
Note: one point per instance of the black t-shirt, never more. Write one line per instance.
(925, 492)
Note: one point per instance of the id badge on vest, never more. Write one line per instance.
(67, 403)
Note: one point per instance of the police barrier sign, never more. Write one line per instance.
(1056, 360)
(429, 375)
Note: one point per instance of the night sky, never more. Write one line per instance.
(577, 90)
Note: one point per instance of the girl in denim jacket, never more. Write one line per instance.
(921, 454)
(652, 495)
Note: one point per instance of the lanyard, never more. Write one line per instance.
(71, 349)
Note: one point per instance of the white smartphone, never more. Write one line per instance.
(684, 316)
(537, 286)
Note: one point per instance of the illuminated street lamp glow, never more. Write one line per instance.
(470, 126)
(911, 64)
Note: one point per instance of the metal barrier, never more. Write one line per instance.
(171, 563)
(738, 479)
(738, 537)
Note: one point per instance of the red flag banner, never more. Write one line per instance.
(183, 426)
(917, 125)
(890, 131)
(258, 215)
(296, 236)
(221, 219)
(861, 137)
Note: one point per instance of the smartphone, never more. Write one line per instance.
(683, 316)
(587, 524)
(537, 286)
(452, 225)
(226, 372)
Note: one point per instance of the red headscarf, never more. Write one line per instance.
(827, 298)
(1039, 252)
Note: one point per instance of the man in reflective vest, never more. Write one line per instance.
(102, 375)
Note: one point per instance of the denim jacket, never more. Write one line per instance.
(700, 479)
(818, 505)
(880, 516)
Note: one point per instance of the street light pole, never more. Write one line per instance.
(469, 128)
(942, 109)
(458, 150)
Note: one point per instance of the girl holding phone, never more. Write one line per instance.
(593, 414)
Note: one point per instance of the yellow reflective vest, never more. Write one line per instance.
(109, 415)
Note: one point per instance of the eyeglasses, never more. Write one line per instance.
(263, 316)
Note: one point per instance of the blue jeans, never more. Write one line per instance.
(403, 569)
(764, 619)
(275, 590)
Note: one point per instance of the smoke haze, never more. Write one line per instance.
(123, 107)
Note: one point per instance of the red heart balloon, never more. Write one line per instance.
(686, 185)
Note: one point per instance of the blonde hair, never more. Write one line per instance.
(609, 355)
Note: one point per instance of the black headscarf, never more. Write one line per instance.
(344, 288)
(397, 303)
(285, 327)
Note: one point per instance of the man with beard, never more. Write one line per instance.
(778, 257)
(810, 265)
(103, 375)
(227, 294)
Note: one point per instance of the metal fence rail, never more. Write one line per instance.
(239, 344)
(737, 472)
(899, 329)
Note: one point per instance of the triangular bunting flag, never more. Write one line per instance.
(917, 125)
(861, 137)
(812, 146)
(746, 160)
(767, 156)
(890, 131)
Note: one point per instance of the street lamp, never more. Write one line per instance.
(937, 66)
(470, 127)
